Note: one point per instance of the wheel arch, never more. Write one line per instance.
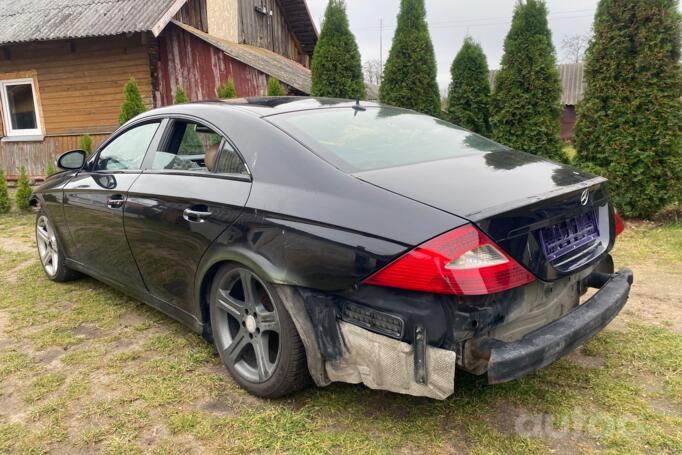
(212, 262)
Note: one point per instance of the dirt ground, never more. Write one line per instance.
(85, 369)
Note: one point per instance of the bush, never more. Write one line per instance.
(133, 105)
(274, 87)
(23, 194)
(410, 71)
(180, 96)
(5, 205)
(336, 67)
(469, 93)
(86, 143)
(526, 102)
(226, 90)
(630, 121)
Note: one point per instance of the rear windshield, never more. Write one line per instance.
(356, 140)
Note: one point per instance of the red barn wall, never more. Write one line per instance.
(568, 119)
(198, 67)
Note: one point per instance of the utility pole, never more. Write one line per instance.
(381, 49)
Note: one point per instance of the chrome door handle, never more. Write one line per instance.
(115, 202)
(195, 216)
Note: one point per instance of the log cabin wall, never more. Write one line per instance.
(181, 54)
(35, 155)
(80, 90)
(260, 28)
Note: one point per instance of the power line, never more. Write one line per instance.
(483, 22)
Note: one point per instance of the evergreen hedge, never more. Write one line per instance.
(629, 125)
(336, 67)
(526, 100)
(469, 92)
(5, 205)
(23, 194)
(410, 72)
(133, 105)
(274, 87)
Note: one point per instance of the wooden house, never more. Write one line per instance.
(63, 63)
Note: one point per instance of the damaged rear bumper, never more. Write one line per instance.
(511, 360)
(370, 348)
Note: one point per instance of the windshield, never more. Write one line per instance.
(357, 140)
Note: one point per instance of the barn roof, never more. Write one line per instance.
(271, 63)
(572, 81)
(41, 20)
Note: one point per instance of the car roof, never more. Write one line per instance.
(263, 106)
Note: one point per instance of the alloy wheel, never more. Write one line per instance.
(248, 332)
(47, 245)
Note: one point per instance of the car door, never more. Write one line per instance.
(194, 186)
(94, 201)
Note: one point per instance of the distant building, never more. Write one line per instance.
(63, 63)
(572, 80)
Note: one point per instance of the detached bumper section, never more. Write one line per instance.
(509, 361)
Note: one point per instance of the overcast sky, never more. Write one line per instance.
(487, 21)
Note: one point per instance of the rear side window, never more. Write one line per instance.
(361, 140)
(196, 148)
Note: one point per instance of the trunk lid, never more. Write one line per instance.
(552, 218)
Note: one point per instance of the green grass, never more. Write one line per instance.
(647, 242)
(96, 371)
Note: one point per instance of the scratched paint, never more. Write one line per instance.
(198, 67)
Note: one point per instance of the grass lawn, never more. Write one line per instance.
(85, 369)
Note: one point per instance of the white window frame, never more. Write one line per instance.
(9, 131)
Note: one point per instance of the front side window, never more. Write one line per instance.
(19, 107)
(197, 148)
(127, 151)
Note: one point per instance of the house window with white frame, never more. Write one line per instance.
(20, 108)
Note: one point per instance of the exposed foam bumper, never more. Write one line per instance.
(384, 363)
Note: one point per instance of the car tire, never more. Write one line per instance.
(254, 334)
(50, 251)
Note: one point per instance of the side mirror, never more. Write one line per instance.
(73, 160)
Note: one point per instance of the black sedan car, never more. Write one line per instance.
(339, 241)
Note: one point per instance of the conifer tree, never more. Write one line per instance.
(180, 96)
(410, 72)
(274, 87)
(469, 93)
(5, 205)
(133, 104)
(227, 89)
(629, 125)
(526, 100)
(23, 194)
(86, 143)
(50, 170)
(336, 67)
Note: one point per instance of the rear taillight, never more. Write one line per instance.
(463, 262)
(620, 224)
